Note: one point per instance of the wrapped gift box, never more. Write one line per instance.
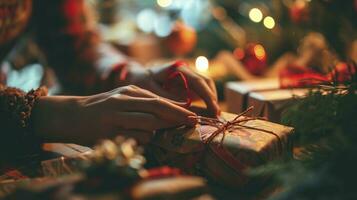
(271, 104)
(265, 95)
(224, 160)
(236, 93)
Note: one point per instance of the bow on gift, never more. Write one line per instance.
(297, 76)
(224, 126)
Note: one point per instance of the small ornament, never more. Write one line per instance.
(299, 11)
(254, 58)
(114, 164)
(182, 40)
(342, 72)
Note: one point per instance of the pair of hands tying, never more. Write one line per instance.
(135, 111)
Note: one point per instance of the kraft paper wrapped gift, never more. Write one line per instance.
(236, 93)
(224, 160)
(271, 104)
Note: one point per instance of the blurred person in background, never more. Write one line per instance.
(65, 31)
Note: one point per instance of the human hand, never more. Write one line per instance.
(155, 78)
(128, 110)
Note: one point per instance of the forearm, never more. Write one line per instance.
(56, 118)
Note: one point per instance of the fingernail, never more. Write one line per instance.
(192, 120)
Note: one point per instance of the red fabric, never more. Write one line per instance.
(73, 13)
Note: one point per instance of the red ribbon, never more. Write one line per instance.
(297, 76)
(173, 73)
(225, 126)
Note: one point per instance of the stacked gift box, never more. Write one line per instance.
(266, 95)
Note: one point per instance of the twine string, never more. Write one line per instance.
(227, 126)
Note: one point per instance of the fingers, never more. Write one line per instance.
(134, 91)
(152, 104)
(163, 109)
(142, 121)
(160, 91)
(202, 86)
(211, 84)
(203, 90)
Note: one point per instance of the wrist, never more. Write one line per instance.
(55, 118)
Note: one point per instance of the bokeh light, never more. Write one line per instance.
(164, 3)
(239, 53)
(255, 15)
(259, 51)
(145, 20)
(202, 64)
(163, 26)
(269, 22)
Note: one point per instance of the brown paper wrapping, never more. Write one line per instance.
(236, 93)
(270, 104)
(265, 95)
(226, 162)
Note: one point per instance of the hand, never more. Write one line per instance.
(129, 110)
(154, 78)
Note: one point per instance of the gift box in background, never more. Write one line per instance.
(236, 93)
(228, 157)
(271, 104)
(265, 95)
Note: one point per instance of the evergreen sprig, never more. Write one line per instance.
(326, 135)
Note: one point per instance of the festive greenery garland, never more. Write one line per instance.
(324, 164)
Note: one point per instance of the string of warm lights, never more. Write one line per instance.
(256, 15)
